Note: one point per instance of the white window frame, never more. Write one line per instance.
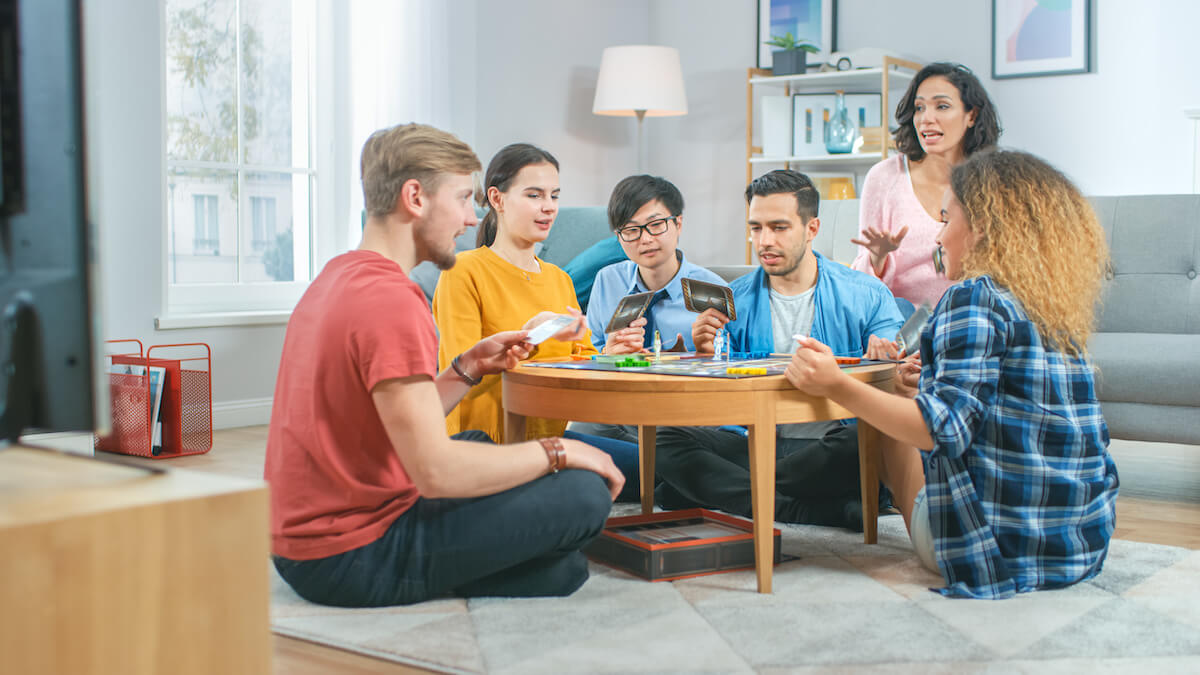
(218, 304)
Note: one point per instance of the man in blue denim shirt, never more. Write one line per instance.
(795, 291)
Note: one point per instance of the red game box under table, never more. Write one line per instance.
(677, 544)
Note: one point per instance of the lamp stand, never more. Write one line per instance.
(641, 142)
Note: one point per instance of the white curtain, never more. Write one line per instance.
(410, 61)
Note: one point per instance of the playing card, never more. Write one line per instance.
(548, 329)
(909, 337)
(629, 309)
(700, 295)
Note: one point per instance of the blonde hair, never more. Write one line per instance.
(395, 155)
(1038, 237)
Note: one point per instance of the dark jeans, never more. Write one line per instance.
(624, 454)
(816, 480)
(522, 542)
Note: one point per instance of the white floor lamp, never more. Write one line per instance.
(640, 81)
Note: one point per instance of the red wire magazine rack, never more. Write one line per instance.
(161, 399)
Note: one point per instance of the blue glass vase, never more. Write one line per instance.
(840, 130)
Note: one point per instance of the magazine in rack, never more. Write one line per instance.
(158, 377)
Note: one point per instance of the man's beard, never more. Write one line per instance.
(792, 268)
(443, 258)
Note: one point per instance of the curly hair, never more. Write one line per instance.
(1038, 236)
(984, 134)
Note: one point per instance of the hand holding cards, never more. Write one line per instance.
(628, 310)
(701, 295)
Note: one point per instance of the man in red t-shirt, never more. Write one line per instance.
(371, 503)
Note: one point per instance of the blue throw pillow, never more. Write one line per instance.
(583, 267)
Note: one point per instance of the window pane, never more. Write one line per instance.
(267, 69)
(270, 228)
(202, 230)
(201, 87)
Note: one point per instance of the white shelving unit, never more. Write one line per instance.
(895, 74)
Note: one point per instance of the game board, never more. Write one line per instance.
(757, 364)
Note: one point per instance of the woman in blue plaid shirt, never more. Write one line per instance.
(998, 454)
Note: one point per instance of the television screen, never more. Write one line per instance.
(47, 332)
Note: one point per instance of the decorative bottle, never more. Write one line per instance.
(840, 131)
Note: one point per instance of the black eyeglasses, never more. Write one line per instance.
(632, 233)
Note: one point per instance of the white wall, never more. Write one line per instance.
(704, 152)
(537, 67)
(1117, 130)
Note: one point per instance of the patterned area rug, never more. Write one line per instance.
(841, 606)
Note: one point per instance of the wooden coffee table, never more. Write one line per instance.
(649, 401)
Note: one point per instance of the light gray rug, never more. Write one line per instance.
(842, 606)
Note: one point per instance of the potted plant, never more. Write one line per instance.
(790, 57)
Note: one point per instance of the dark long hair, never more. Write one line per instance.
(501, 171)
(984, 134)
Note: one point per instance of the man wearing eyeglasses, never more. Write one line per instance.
(646, 213)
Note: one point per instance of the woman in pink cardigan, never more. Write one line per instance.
(944, 117)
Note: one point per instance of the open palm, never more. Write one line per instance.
(880, 242)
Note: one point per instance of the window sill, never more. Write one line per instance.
(214, 319)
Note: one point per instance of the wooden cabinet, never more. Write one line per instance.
(889, 81)
(107, 568)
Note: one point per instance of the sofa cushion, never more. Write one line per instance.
(575, 229)
(1147, 367)
(1154, 242)
(839, 224)
(583, 268)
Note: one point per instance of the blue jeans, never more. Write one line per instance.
(522, 542)
(624, 454)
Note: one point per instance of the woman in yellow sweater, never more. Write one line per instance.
(502, 284)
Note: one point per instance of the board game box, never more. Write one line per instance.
(677, 544)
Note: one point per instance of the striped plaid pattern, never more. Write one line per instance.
(1020, 486)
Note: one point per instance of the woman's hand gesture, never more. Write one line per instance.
(879, 243)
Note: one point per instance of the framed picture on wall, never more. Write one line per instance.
(1041, 37)
(811, 20)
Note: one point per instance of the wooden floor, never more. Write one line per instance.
(1159, 503)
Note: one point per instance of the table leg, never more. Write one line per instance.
(646, 436)
(868, 455)
(762, 491)
(514, 427)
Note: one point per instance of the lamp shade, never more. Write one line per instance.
(640, 77)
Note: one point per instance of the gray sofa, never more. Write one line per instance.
(1147, 345)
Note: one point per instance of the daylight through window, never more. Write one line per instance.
(240, 180)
